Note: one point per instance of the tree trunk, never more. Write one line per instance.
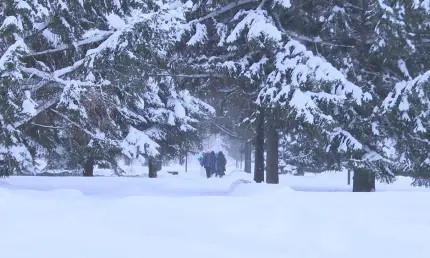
(89, 167)
(349, 176)
(186, 163)
(259, 148)
(272, 136)
(240, 160)
(363, 180)
(152, 169)
(248, 157)
(181, 158)
(239, 157)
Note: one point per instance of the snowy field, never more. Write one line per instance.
(189, 216)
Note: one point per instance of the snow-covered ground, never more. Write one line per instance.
(189, 216)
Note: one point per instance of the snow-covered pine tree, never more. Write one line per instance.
(407, 106)
(367, 41)
(98, 72)
(408, 110)
(244, 40)
(17, 105)
(300, 153)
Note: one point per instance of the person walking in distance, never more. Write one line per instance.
(220, 164)
(208, 162)
(205, 163)
(200, 158)
(211, 159)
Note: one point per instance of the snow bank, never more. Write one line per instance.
(337, 182)
(120, 187)
(65, 217)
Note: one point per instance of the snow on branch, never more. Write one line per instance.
(258, 23)
(225, 9)
(10, 56)
(318, 40)
(345, 139)
(402, 97)
(296, 66)
(424, 4)
(199, 36)
(63, 47)
(137, 142)
(38, 109)
(282, 3)
(166, 23)
(404, 88)
(55, 77)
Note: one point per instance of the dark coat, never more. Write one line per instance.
(220, 164)
(209, 160)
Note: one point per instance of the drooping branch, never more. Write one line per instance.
(55, 76)
(228, 132)
(53, 99)
(225, 9)
(41, 27)
(81, 43)
(93, 135)
(304, 38)
(317, 40)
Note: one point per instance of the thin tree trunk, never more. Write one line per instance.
(152, 169)
(239, 157)
(186, 163)
(259, 148)
(363, 180)
(89, 167)
(248, 157)
(272, 136)
(181, 158)
(349, 176)
(240, 160)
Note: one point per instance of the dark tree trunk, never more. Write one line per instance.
(181, 158)
(186, 163)
(152, 168)
(240, 160)
(89, 167)
(239, 157)
(248, 157)
(349, 176)
(363, 181)
(259, 148)
(272, 136)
